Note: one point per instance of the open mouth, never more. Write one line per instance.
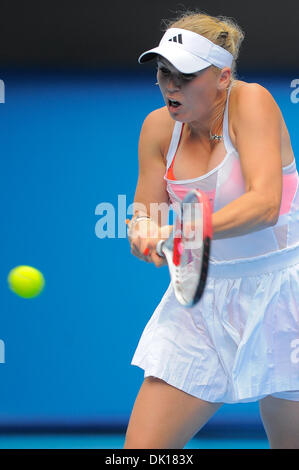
(173, 103)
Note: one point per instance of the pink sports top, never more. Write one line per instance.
(224, 184)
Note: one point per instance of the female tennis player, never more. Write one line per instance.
(240, 343)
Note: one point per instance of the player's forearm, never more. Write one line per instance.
(158, 211)
(249, 213)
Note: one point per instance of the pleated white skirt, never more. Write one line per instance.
(240, 343)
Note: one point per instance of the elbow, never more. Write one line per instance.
(273, 216)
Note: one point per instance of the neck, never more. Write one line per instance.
(212, 122)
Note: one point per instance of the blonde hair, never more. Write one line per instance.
(221, 30)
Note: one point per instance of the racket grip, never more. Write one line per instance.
(159, 248)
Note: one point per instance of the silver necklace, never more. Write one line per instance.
(215, 137)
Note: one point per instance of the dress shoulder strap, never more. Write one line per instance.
(176, 133)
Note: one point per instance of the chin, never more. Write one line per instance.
(181, 117)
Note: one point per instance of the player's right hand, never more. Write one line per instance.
(145, 237)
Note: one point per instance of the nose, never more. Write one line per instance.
(173, 83)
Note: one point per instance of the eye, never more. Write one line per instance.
(163, 70)
(188, 76)
(185, 77)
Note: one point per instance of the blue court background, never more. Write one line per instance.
(69, 142)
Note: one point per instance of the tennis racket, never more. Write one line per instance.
(188, 247)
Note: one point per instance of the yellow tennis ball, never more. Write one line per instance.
(26, 281)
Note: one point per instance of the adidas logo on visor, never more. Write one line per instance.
(177, 38)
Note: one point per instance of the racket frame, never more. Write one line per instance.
(170, 248)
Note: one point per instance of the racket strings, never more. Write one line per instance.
(188, 252)
(187, 273)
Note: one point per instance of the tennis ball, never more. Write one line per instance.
(26, 281)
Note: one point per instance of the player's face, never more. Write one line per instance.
(194, 93)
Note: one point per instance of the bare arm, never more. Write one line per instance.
(151, 197)
(258, 142)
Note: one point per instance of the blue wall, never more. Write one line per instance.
(68, 143)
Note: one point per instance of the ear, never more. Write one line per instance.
(224, 78)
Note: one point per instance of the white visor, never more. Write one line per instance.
(189, 52)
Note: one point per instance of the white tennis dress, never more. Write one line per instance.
(240, 342)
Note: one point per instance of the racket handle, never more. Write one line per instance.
(159, 248)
